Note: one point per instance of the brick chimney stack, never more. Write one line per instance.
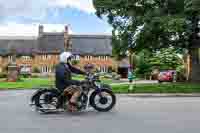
(67, 44)
(66, 29)
(41, 30)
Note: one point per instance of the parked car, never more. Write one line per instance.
(167, 76)
(25, 71)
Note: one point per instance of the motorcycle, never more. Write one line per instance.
(94, 94)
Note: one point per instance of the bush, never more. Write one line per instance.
(36, 70)
(110, 69)
(3, 75)
(75, 62)
(116, 76)
(25, 75)
(181, 73)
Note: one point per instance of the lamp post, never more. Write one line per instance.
(130, 53)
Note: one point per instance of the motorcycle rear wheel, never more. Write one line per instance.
(50, 99)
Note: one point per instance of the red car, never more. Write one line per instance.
(166, 76)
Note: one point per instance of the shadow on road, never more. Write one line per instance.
(90, 113)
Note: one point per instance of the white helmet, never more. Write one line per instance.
(65, 56)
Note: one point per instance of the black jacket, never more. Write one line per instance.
(64, 75)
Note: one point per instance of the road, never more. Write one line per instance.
(138, 115)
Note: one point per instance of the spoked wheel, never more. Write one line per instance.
(103, 101)
(47, 101)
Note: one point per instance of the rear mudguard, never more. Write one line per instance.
(40, 91)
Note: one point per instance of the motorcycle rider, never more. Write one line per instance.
(64, 80)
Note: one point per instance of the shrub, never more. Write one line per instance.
(75, 62)
(110, 69)
(3, 75)
(36, 70)
(25, 75)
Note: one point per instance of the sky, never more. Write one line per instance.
(22, 17)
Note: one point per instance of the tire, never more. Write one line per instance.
(53, 92)
(96, 107)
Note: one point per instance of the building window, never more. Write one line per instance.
(103, 69)
(103, 58)
(10, 58)
(106, 57)
(77, 57)
(26, 58)
(44, 57)
(88, 57)
(47, 69)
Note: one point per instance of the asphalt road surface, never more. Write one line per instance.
(131, 115)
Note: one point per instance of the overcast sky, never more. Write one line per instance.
(22, 17)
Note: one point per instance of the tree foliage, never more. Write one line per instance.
(164, 59)
(149, 24)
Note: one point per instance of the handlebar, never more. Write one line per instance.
(92, 77)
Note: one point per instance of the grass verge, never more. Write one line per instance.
(139, 88)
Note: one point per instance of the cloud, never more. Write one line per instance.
(83, 5)
(37, 9)
(15, 29)
(22, 17)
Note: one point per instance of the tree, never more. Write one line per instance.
(166, 59)
(152, 24)
(143, 66)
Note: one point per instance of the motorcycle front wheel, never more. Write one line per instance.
(103, 101)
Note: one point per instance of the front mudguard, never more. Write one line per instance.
(37, 94)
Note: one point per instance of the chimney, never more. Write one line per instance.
(67, 44)
(41, 30)
(66, 29)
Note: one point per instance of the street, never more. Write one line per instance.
(138, 115)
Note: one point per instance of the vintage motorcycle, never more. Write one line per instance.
(94, 94)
